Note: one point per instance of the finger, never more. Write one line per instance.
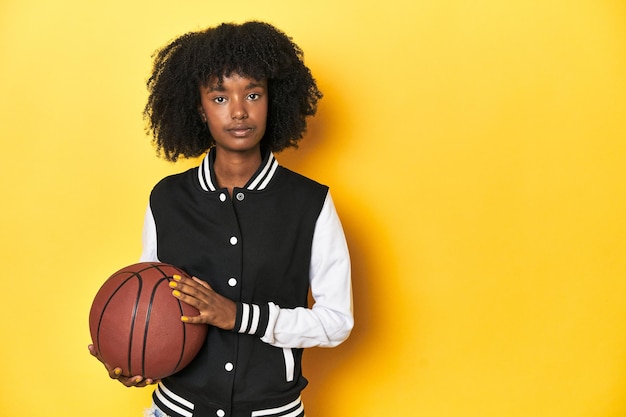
(194, 286)
(115, 373)
(191, 294)
(190, 300)
(194, 302)
(203, 283)
(193, 319)
(189, 281)
(96, 354)
(135, 381)
(139, 382)
(92, 350)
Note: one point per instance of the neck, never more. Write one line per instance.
(234, 169)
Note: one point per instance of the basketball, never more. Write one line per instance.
(135, 322)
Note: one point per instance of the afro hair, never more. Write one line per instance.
(253, 49)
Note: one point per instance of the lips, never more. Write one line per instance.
(240, 130)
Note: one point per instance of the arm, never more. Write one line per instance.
(149, 241)
(330, 320)
(326, 324)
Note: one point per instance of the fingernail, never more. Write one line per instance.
(184, 318)
(117, 371)
(138, 379)
(176, 293)
(176, 277)
(173, 284)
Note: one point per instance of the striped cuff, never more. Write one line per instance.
(252, 319)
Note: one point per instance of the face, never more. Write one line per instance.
(236, 112)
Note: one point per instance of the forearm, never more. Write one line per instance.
(329, 321)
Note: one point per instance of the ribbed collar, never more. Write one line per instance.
(260, 179)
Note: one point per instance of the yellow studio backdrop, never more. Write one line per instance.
(476, 152)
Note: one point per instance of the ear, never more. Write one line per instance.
(201, 113)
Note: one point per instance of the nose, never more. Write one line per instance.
(238, 111)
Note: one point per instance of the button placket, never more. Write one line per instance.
(232, 281)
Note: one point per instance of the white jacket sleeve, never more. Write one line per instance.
(329, 321)
(149, 241)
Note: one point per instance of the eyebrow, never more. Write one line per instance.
(220, 86)
(254, 85)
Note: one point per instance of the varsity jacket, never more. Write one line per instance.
(265, 248)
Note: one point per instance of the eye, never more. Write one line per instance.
(254, 96)
(219, 99)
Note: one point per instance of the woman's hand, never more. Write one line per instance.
(214, 309)
(116, 373)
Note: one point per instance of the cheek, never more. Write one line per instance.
(262, 114)
(214, 128)
(214, 124)
(217, 116)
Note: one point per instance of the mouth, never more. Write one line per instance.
(240, 130)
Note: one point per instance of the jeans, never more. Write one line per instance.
(154, 412)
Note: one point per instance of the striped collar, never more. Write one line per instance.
(260, 179)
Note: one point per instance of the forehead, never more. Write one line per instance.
(233, 80)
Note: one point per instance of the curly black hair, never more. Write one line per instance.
(253, 49)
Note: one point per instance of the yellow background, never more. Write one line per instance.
(476, 152)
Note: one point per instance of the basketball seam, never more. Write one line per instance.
(104, 309)
(184, 327)
(141, 309)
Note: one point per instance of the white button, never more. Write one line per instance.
(232, 282)
(229, 366)
(240, 196)
(220, 413)
(222, 197)
(233, 240)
